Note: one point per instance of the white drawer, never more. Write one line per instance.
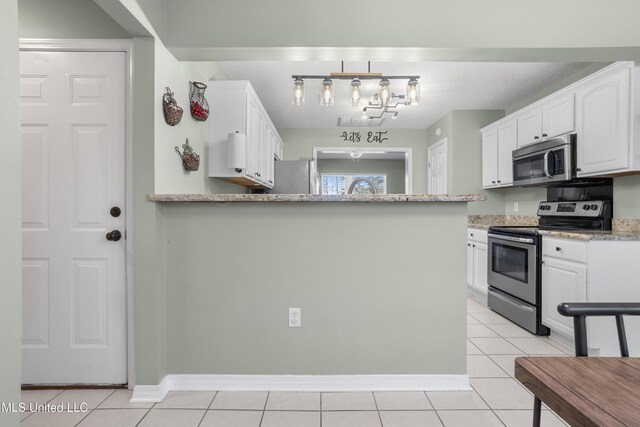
(477, 235)
(570, 250)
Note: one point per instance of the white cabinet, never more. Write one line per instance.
(562, 281)
(551, 117)
(590, 271)
(603, 114)
(477, 262)
(236, 108)
(497, 146)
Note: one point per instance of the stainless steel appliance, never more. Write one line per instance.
(514, 258)
(547, 162)
(296, 177)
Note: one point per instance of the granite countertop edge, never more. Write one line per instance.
(289, 198)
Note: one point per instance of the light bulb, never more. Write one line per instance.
(326, 95)
(355, 93)
(413, 92)
(298, 92)
(384, 92)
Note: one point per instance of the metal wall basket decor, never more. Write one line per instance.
(172, 113)
(199, 105)
(190, 160)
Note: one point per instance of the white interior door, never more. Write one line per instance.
(437, 154)
(73, 173)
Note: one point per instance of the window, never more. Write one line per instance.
(353, 184)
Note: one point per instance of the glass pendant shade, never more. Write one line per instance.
(298, 92)
(413, 92)
(326, 95)
(356, 98)
(384, 92)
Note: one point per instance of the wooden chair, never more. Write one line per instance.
(580, 312)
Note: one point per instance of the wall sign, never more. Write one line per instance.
(370, 137)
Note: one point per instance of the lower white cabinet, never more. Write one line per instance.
(562, 281)
(591, 271)
(477, 262)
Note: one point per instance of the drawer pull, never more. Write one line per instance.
(558, 249)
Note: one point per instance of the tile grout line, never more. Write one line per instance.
(207, 409)
(375, 402)
(434, 408)
(264, 408)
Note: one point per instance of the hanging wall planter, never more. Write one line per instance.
(199, 105)
(190, 160)
(172, 113)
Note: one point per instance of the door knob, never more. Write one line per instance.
(115, 212)
(114, 236)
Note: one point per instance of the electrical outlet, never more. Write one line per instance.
(515, 206)
(295, 321)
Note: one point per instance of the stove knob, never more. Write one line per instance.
(585, 207)
(594, 207)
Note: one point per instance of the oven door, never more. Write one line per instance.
(513, 266)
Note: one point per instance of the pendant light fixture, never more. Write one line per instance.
(326, 94)
(384, 101)
(298, 92)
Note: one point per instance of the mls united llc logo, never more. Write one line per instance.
(43, 407)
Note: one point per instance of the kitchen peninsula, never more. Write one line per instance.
(380, 286)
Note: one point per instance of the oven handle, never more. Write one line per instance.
(511, 239)
(512, 302)
(546, 164)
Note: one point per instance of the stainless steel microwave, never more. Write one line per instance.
(550, 161)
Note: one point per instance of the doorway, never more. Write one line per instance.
(73, 137)
(437, 169)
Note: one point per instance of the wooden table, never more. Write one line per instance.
(585, 391)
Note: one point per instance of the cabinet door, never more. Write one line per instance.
(252, 138)
(562, 281)
(480, 267)
(469, 264)
(490, 158)
(530, 127)
(507, 141)
(262, 148)
(602, 122)
(558, 116)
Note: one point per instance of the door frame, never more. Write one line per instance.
(110, 45)
(430, 149)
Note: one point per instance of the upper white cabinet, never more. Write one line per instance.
(603, 115)
(497, 146)
(602, 109)
(236, 108)
(552, 117)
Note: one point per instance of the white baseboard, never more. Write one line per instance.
(155, 393)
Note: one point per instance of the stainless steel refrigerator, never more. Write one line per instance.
(296, 177)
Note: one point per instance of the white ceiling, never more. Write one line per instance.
(445, 86)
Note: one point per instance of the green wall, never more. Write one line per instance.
(66, 19)
(381, 288)
(299, 143)
(464, 155)
(10, 215)
(393, 168)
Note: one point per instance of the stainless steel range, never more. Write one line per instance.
(514, 258)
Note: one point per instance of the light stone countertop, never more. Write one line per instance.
(593, 235)
(271, 198)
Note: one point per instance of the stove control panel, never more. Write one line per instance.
(591, 208)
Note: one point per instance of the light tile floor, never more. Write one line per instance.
(497, 399)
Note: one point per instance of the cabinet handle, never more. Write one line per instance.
(493, 182)
(468, 244)
(544, 135)
(474, 246)
(558, 249)
(536, 137)
(471, 234)
(578, 169)
(499, 181)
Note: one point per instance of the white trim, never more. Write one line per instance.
(430, 148)
(110, 45)
(408, 162)
(299, 383)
